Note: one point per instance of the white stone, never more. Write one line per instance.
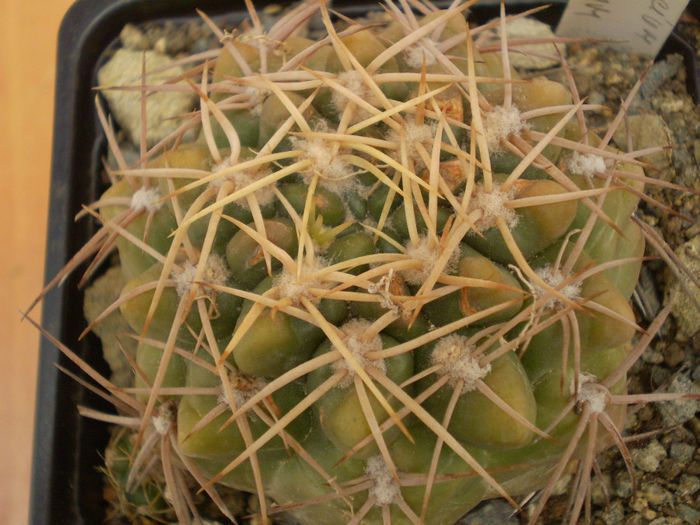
(534, 56)
(162, 107)
(684, 308)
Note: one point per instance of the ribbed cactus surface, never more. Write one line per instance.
(389, 279)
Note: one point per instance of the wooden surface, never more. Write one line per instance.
(28, 36)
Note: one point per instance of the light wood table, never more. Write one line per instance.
(28, 36)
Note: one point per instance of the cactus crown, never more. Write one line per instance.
(367, 286)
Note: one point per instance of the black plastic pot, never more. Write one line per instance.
(66, 483)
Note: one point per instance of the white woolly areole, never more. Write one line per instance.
(501, 122)
(385, 488)
(146, 199)
(242, 179)
(492, 205)
(427, 253)
(243, 388)
(353, 334)
(354, 82)
(256, 98)
(591, 392)
(554, 279)
(586, 164)
(414, 133)
(290, 287)
(334, 172)
(454, 354)
(419, 132)
(215, 273)
(416, 53)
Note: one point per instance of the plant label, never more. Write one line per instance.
(636, 26)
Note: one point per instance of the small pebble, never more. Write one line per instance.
(679, 411)
(646, 130)
(656, 495)
(658, 74)
(688, 514)
(648, 458)
(161, 45)
(666, 521)
(536, 56)
(694, 468)
(671, 106)
(674, 355)
(614, 514)
(634, 519)
(599, 495)
(162, 107)
(684, 309)
(671, 469)
(645, 413)
(562, 485)
(596, 97)
(638, 504)
(682, 452)
(652, 356)
(623, 484)
(694, 426)
(614, 78)
(490, 512)
(688, 485)
(133, 38)
(660, 375)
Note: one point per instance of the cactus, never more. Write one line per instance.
(388, 280)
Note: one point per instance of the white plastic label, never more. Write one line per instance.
(642, 25)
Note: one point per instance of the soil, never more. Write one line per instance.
(665, 450)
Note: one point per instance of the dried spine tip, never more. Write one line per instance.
(162, 421)
(591, 392)
(353, 334)
(161, 424)
(146, 199)
(385, 489)
(427, 252)
(554, 278)
(455, 356)
(500, 123)
(586, 164)
(383, 288)
(215, 273)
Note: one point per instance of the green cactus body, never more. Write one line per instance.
(373, 310)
